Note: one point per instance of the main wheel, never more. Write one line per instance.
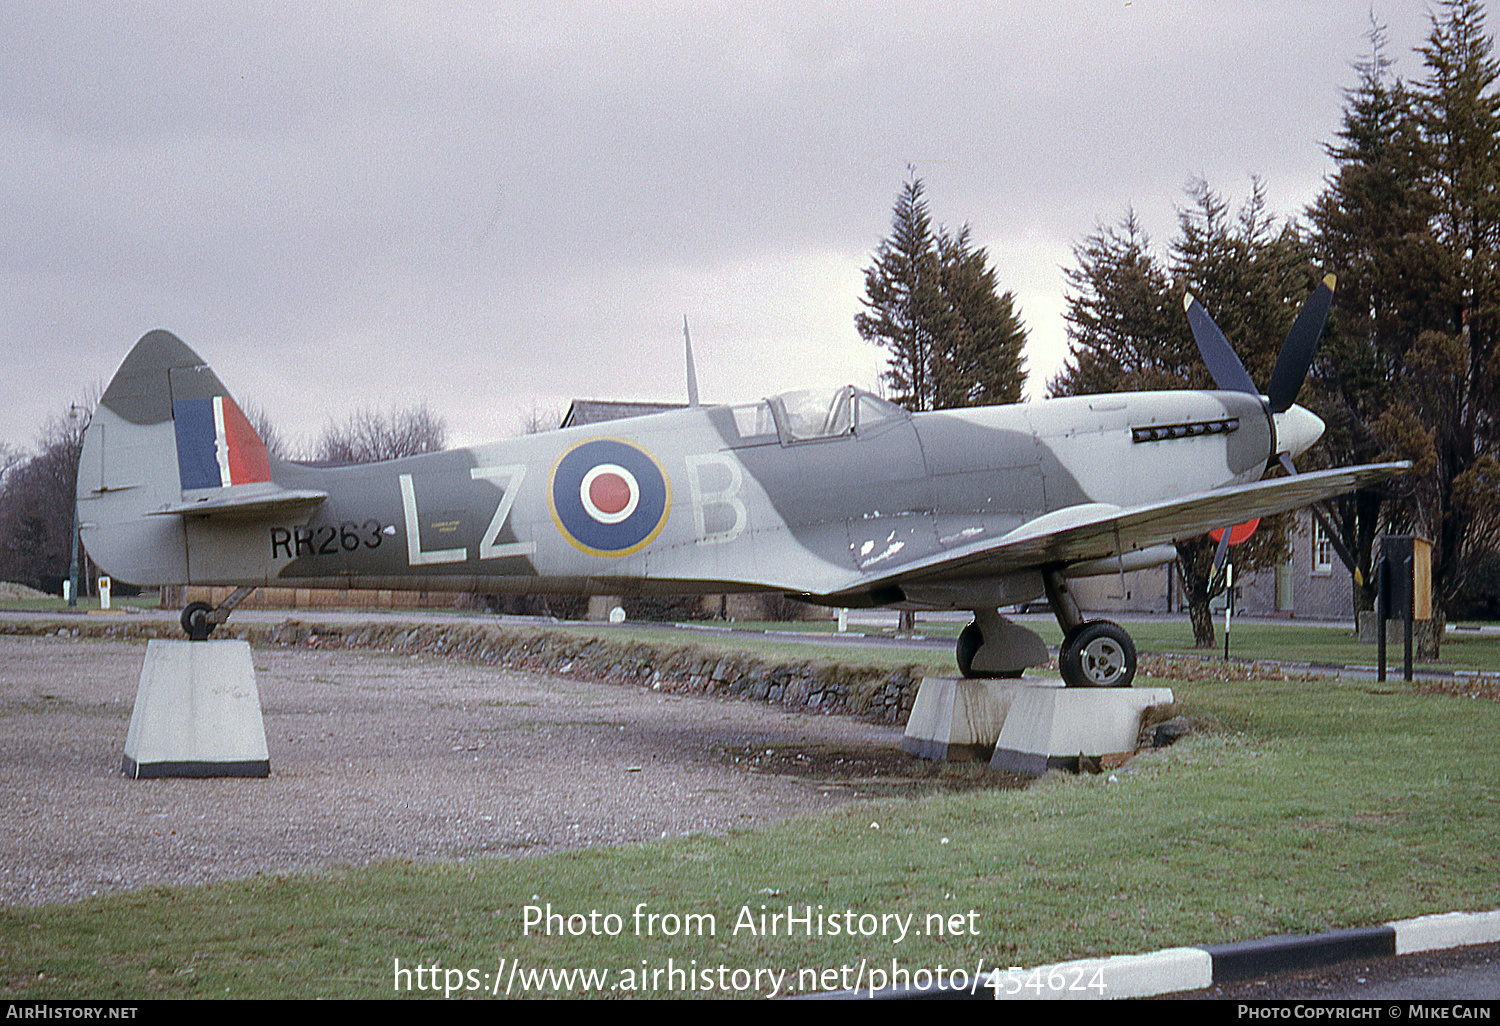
(969, 641)
(1097, 654)
(195, 621)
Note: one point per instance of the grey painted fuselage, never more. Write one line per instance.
(751, 497)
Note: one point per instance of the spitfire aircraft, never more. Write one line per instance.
(834, 496)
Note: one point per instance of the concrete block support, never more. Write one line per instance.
(955, 718)
(197, 713)
(1051, 727)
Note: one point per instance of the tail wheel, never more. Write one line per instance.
(196, 622)
(1097, 654)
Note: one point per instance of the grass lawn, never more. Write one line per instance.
(87, 603)
(1323, 805)
(1336, 645)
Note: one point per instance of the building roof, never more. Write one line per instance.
(596, 411)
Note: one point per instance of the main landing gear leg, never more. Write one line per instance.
(1094, 653)
(199, 618)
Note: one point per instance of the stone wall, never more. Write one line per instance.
(876, 693)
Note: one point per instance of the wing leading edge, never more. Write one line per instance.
(1100, 531)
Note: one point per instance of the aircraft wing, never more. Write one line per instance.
(1097, 530)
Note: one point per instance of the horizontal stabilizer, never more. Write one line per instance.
(1110, 531)
(246, 502)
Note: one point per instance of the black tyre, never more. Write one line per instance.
(969, 641)
(195, 621)
(1097, 654)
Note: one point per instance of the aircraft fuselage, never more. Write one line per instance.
(758, 496)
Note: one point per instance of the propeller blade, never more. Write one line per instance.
(1228, 373)
(1220, 554)
(1286, 380)
(1300, 345)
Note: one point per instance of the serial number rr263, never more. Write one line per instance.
(324, 541)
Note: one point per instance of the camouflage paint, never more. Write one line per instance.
(917, 502)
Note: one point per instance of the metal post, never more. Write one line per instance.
(1382, 611)
(1228, 603)
(73, 563)
(73, 415)
(1409, 570)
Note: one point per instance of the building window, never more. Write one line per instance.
(1322, 551)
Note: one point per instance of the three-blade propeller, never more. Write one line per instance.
(1292, 365)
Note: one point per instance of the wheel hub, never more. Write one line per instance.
(1103, 661)
(1097, 654)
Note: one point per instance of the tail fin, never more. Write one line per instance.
(168, 439)
(163, 380)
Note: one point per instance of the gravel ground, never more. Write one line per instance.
(379, 757)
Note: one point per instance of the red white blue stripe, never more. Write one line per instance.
(216, 446)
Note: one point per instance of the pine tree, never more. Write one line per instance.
(901, 293)
(1127, 332)
(1370, 226)
(1444, 414)
(933, 301)
(978, 358)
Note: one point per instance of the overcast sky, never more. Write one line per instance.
(496, 206)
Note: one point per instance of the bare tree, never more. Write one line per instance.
(370, 436)
(36, 502)
(10, 458)
(539, 418)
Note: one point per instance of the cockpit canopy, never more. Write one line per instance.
(810, 414)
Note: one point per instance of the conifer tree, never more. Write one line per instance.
(932, 299)
(978, 359)
(1370, 227)
(1127, 331)
(902, 297)
(1444, 414)
(1124, 331)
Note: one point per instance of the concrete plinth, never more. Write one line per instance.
(1052, 727)
(197, 713)
(957, 718)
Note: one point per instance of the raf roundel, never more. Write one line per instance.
(609, 497)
